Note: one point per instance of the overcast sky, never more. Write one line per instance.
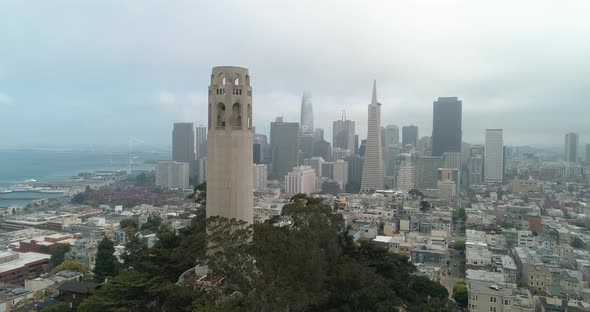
(96, 72)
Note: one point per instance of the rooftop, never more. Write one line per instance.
(508, 262)
(23, 259)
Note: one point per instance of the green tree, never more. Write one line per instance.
(460, 294)
(135, 252)
(141, 179)
(61, 307)
(78, 199)
(72, 266)
(152, 224)
(459, 245)
(106, 263)
(127, 223)
(58, 254)
(424, 205)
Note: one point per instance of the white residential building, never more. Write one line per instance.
(341, 173)
(301, 180)
(260, 176)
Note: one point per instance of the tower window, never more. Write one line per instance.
(220, 115)
(236, 116)
(249, 116)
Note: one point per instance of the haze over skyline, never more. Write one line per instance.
(96, 73)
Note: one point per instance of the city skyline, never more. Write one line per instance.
(140, 85)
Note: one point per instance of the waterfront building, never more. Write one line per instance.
(571, 147)
(172, 174)
(183, 145)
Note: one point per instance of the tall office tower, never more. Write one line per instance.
(373, 166)
(571, 147)
(284, 142)
(301, 180)
(339, 153)
(259, 176)
(202, 167)
(305, 146)
(452, 160)
(389, 135)
(427, 171)
(448, 180)
(322, 149)
(343, 134)
(306, 125)
(446, 126)
(587, 153)
(183, 145)
(410, 135)
(259, 148)
(201, 141)
(363, 148)
(423, 148)
(355, 173)
(391, 153)
(229, 145)
(405, 171)
(356, 144)
(328, 170)
(475, 170)
(465, 153)
(172, 174)
(315, 163)
(340, 173)
(318, 134)
(494, 156)
(390, 144)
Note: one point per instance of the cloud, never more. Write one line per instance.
(5, 99)
(511, 66)
(165, 99)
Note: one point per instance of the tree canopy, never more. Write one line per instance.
(303, 260)
(106, 263)
(460, 294)
(58, 254)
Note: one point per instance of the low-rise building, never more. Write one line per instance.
(15, 267)
(488, 296)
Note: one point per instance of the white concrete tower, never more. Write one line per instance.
(373, 165)
(229, 144)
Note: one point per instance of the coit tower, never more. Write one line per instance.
(229, 145)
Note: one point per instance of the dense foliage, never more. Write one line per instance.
(58, 254)
(106, 264)
(300, 261)
(460, 294)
